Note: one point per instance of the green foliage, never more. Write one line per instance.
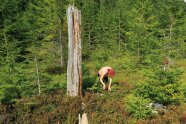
(56, 83)
(10, 95)
(138, 107)
(162, 87)
(124, 34)
(89, 82)
(29, 34)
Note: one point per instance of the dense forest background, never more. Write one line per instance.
(132, 36)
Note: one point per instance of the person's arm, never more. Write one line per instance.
(101, 80)
(110, 82)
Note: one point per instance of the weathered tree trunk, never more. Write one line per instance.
(170, 32)
(37, 73)
(74, 71)
(89, 39)
(169, 49)
(138, 50)
(119, 34)
(7, 52)
(61, 44)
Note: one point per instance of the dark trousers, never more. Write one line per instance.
(105, 79)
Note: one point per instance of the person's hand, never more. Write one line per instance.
(104, 86)
(109, 88)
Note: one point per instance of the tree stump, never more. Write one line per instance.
(83, 119)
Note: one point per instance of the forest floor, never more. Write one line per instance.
(101, 108)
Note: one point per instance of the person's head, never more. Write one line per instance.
(111, 72)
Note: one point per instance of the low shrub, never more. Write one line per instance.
(163, 87)
(138, 107)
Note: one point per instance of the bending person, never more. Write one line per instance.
(103, 74)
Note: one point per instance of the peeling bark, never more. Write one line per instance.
(74, 71)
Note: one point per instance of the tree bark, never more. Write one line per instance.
(169, 51)
(138, 50)
(37, 73)
(74, 71)
(61, 44)
(7, 52)
(119, 32)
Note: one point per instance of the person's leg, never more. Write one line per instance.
(101, 80)
(105, 80)
(110, 83)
